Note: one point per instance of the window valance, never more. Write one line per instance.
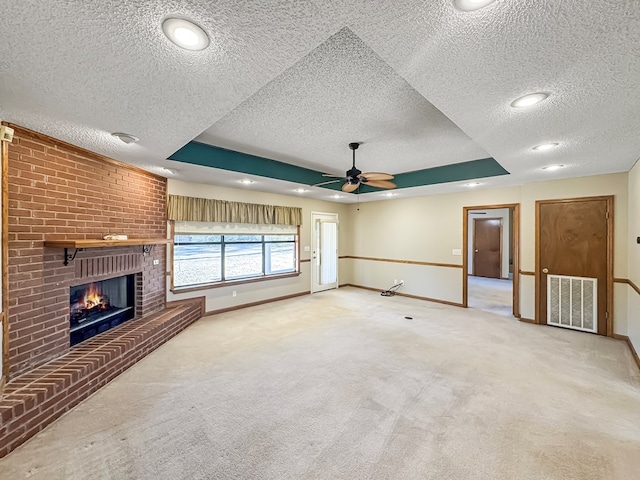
(193, 209)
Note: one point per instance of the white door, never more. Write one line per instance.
(324, 255)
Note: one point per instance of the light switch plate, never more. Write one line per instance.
(456, 251)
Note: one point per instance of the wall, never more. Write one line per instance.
(421, 230)
(502, 213)
(221, 297)
(57, 191)
(426, 229)
(633, 306)
(4, 153)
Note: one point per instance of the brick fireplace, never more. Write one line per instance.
(59, 192)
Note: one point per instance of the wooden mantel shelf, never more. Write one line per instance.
(79, 245)
(93, 243)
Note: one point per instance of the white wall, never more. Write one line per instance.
(221, 297)
(633, 305)
(503, 214)
(426, 229)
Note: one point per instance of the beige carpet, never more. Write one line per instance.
(339, 385)
(491, 295)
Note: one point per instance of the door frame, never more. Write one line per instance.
(610, 219)
(313, 272)
(516, 252)
(473, 266)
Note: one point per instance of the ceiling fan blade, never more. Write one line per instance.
(325, 183)
(381, 184)
(350, 187)
(376, 176)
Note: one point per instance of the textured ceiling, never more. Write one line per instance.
(420, 83)
(339, 93)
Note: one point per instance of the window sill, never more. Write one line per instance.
(229, 283)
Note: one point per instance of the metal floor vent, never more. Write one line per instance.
(572, 302)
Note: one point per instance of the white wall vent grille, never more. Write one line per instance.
(572, 302)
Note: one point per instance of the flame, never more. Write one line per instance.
(93, 297)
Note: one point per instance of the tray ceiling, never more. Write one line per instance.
(421, 84)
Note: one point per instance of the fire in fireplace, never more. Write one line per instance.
(99, 306)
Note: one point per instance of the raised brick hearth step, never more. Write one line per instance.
(33, 400)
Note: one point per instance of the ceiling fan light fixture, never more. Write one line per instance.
(470, 5)
(354, 177)
(529, 100)
(185, 34)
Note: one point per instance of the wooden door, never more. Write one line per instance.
(575, 239)
(487, 247)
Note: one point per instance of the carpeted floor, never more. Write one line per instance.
(493, 295)
(339, 385)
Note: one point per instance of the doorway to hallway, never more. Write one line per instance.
(491, 243)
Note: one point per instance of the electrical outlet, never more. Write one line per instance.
(233, 293)
(156, 262)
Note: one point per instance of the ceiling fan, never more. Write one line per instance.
(354, 177)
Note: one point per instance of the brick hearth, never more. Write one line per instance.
(35, 399)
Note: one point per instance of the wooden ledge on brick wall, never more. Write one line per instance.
(98, 243)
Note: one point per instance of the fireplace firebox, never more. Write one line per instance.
(99, 306)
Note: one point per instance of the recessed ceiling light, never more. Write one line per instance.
(336, 196)
(469, 5)
(472, 184)
(185, 34)
(551, 168)
(529, 100)
(300, 190)
(246, 181)
(125, 137)
(545, 146)
(389, 194)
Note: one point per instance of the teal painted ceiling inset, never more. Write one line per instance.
(209, 156)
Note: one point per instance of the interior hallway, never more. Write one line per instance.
(340, 385)
(492, 295)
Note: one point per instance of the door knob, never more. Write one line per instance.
(545, 270)
(476, 251)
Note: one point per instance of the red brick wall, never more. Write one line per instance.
(57, 191)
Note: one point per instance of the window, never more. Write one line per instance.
(200, 258)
